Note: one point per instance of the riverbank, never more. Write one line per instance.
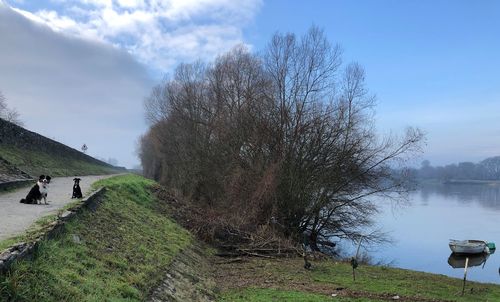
(128, 249)
(258, 279)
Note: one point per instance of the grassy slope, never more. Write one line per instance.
(286, 280)
(125, 245)
(37, 163)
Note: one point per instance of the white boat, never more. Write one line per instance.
(468, 246)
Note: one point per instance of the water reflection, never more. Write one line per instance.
(487, 196)
(422, 230)
(458, 261)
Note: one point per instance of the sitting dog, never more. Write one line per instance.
(45, 188)
(77, 191)
(38, 191)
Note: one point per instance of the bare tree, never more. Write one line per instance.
(288, 134)
(8, 114)
(3, 103)
(332, 163)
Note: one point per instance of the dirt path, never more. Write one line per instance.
(16, 217)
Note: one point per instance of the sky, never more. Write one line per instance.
(78, 71)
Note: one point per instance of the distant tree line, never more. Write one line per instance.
(283, 140)
(111, 160)
(488, 169)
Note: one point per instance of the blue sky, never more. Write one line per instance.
(432, 64)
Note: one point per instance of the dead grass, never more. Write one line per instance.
(328, 277)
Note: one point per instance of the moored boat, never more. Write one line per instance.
(469, 246)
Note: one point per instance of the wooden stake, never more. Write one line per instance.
(465, 274)
(354, 261)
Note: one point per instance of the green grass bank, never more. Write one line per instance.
(39, 162)
(286, 280)
(117, 253)
(36, 154)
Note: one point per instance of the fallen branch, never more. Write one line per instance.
(230, 261)
(258, 255)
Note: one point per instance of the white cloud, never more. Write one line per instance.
(130, 3)
(57, 22)
(159, 33)
(76, 91)
(59, 69)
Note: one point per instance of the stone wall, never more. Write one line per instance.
(10, 174)
(15, 184)
(188, 278)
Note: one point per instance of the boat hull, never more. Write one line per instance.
(458, 260)
(468, 246)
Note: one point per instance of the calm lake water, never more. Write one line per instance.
(437, 213)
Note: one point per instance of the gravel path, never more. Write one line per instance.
(16, 217)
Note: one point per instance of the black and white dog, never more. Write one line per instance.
(38, 192)
(45, 194)
(77, 191)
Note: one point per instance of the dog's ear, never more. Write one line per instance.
(48, 178)
(41, 177)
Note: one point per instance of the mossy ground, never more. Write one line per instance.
(122, 251)
(37, 163)
(274, 295)
(287, 280)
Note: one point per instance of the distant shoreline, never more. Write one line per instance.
(458, 182)
(471, 182)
